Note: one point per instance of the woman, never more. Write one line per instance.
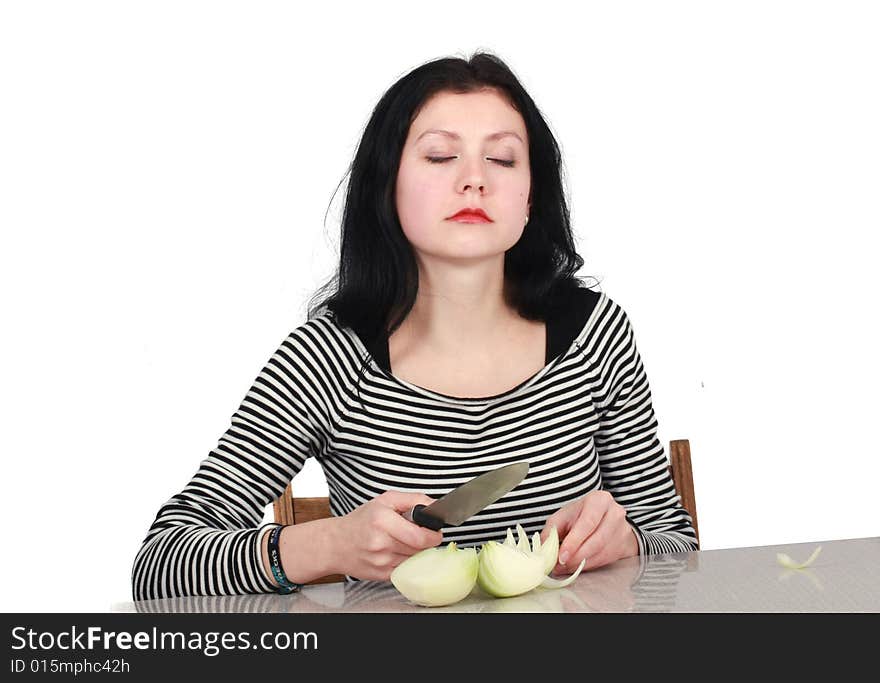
(453, 339)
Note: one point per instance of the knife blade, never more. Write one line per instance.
(468, 499)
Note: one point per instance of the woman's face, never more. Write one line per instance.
(481, 161)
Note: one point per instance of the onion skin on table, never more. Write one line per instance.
(789, 563)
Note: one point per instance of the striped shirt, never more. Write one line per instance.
(585, 421)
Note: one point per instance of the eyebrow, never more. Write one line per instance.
(456, 136)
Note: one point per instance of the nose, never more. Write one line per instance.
(480, 187)
(473, 176)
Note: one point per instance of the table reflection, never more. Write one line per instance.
(636, 584)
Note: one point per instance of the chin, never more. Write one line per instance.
(464, 256)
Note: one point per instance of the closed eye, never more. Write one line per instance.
(440, 160)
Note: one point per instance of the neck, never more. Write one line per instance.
(459, 308)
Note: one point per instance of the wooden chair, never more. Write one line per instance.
(291, 510)
(683, 477)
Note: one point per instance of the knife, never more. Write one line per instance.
(468, 499)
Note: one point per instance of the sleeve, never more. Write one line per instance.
(633, 465)
(205, 540)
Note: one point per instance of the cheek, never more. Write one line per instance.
(519, 188)
(513, 194)
(419, 202)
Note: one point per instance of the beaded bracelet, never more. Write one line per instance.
(285, 586)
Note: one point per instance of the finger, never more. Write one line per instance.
(409, 534)
(397, 558)
(601, 547)
(402, 501)
(592, 511)
(392, 545)
(379, 568)
(594, 550)
(389, 561)
(561, 519)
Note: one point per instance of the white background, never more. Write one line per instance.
(166, 168)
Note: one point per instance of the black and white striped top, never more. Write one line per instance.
(584, 421)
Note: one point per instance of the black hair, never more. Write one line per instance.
(376, 283)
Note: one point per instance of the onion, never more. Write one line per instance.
(506, 571)
(549, 550)
(442, 576)
(519, 568)
(437, 576)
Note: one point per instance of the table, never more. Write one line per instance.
(844, 578)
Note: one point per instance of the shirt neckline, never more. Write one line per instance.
(471, 400)
(568, 322)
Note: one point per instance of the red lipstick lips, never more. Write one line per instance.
(471, 215)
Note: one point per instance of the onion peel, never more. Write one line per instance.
(789, 563)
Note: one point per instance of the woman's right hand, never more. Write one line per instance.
(374, 538)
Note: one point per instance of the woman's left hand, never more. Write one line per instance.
(593, 527)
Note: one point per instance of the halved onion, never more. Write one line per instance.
(506, 571)
(513, 571)
(437, 576)
(442, 576)
(549, 549)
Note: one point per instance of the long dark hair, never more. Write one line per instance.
(376, 283)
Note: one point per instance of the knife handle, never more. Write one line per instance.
(417, 516)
